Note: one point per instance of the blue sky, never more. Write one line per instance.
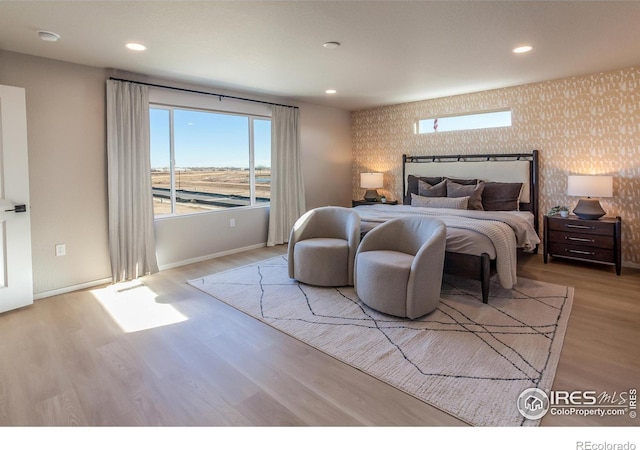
(467, 122)
(204, 139)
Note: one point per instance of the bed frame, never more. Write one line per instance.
(482, 267)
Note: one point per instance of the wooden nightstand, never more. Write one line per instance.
(364, 202)
(590, 240)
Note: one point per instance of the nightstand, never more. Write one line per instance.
(364, 202)
(590, 240)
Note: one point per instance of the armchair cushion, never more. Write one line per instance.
(322, 261)
(385, 272)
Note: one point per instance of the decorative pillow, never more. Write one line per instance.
(412, 185)
(501, 196)
(428, 190)
(473, 192)
(465, 181)
(440, 202)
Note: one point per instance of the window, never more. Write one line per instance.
(204, 160)
(465, 122)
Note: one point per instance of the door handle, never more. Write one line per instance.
(17, 208)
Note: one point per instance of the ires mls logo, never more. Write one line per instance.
(575, 398)
(534, 403)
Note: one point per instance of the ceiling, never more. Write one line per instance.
(391, 51)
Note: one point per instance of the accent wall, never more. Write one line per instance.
(581, 125)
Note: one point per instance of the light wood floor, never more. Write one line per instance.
(65, 361)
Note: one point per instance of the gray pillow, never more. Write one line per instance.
(465, 181)
(412, 186)
(474, 192)
(427, 190)
(440, 202)
(501, 196)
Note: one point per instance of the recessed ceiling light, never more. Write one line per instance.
(331, 45)
(523, 49)
(136, 47)
(330, 91)
(48, 36)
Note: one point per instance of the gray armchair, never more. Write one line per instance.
(399, 265)
(322, 246)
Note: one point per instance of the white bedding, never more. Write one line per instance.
(497, 233)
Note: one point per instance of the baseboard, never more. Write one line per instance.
(90, 284)
(75, 287)
(211, 256)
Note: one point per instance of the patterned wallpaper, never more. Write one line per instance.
(580, 125)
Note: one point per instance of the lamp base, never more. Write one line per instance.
(371, 195)
(589, 208)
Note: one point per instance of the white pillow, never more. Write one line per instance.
(440, 202)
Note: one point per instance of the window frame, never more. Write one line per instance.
(430, 130)
(251, 117)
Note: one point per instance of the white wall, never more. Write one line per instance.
(192, 238)
(67, 156)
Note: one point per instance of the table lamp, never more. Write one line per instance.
(371, 182)
(588, 186)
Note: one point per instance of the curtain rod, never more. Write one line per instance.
(201, 92)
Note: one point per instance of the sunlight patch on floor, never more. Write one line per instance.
(132, 305)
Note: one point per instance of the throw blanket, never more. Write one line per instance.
(506, 231)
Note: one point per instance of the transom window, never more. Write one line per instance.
(465, 122)
(205, 160)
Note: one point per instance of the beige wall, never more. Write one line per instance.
(581, 125)
(68, 180)
(326, 162)
(67, 167)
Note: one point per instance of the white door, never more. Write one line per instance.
(16, 278)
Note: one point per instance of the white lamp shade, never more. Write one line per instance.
(371, 180)
(590, 186)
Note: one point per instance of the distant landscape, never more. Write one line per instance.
(223, 188)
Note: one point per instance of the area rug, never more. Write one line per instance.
(467, 358)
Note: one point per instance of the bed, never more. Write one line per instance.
(490, 209)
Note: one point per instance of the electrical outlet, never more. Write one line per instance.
(61, 249)
(232, 223)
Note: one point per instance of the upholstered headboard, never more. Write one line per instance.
(502, 168)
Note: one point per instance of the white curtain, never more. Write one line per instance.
(287, 190)
(131, 233)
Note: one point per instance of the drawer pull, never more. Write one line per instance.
(582, 227)
(581, 252)
(579, 239)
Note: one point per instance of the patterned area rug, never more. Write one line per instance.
(467, 358)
